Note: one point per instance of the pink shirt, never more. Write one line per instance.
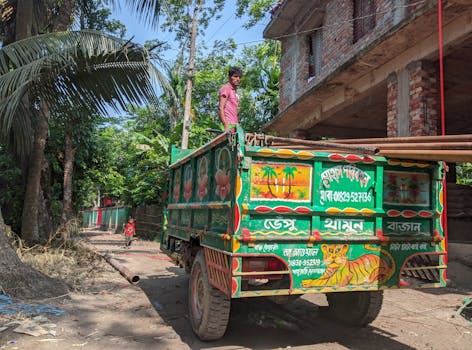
(232, 102)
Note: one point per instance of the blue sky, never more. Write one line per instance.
(226, 27)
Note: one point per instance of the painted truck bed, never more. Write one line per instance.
(332, 221)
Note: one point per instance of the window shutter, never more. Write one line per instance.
(318, 51)
(315, 53)
(364, 18)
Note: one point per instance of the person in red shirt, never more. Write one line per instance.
(229, 99)
(129, 232)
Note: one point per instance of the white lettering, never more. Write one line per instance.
(279, 223)
(349, 172)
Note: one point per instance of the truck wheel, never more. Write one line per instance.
(355, 308)
(208, 307)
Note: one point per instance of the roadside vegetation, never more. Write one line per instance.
(87, 113)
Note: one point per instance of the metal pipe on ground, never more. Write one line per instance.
(132, 278)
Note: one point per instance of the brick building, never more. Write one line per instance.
(369, 68)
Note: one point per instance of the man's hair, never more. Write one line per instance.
(235, 71)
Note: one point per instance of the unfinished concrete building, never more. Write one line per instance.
(369, 68)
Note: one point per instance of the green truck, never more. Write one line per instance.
(248, 218)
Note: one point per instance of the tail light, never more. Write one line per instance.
(264, 264)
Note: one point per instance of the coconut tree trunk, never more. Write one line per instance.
(69, 154)
(21, 280)
(45, 217)
(63, 19)
(29, 220)
(24, 19)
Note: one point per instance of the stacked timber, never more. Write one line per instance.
(448, 148)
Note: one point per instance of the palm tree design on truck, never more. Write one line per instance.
(269, 173)
(289, 172)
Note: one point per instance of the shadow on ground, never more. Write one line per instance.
(258, 323)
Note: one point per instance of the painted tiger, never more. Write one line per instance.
(366, 269)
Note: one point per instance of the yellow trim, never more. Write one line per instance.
(305, 155)
(236, 245)
(407, 164)
(350, 211)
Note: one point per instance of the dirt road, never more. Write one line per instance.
(112, 314)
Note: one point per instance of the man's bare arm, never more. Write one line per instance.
(221, 110)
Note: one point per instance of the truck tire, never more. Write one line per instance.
(208, 307)
(355, 308)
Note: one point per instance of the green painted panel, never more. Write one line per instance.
(178, 153)
(285, 181)
(347, 226)
(220, 219)
(342, 265)
(176, 185)
(407, 227)
(173, 217)
(407, 189)
(223, 185)
(200, 218)
(278, 225)
(202, 190)
(188, 181)
(345, 185)
(185, 217)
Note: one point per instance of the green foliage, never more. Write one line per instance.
(258, 91)
(178, 14)
(260, 87)
(256, 10)
(91, 14)
(69, 69)
(464, 173)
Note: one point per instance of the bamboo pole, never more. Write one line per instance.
(322, 144)
(393, 146)
(427, 146)
(452, 156)
(408, 139)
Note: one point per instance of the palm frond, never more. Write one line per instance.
(148, 10)
(83, 68)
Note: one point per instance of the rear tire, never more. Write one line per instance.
(208, 307)
(355, 308)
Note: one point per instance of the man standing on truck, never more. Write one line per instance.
(229, 99)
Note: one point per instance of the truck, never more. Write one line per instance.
(249, 217)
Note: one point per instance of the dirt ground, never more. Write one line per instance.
(110, 313)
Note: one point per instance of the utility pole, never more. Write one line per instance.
(190, 73)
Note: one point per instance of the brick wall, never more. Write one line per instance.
(424, 97)
(423, 103)
(338, 47)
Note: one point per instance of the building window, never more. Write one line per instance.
(364, 18)
(314, 53)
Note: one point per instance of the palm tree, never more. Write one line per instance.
(86, 69)
(269, 172)
(289, 175)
